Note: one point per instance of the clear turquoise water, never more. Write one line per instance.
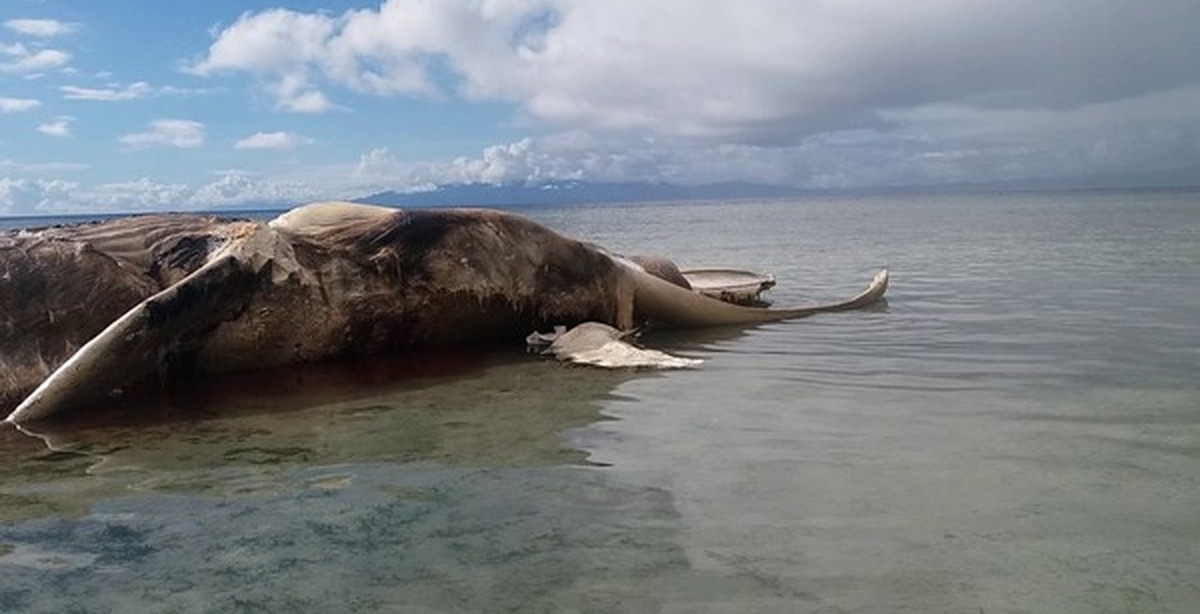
(1017, 430)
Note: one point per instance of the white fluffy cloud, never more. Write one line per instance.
(29, 195)
(181, 133)
(110, 93)
(143, 193)
(810, 94)
(18, 105)
(230, 188)
(238, 188)
(280, 45)
(60, 127)
(43, 28)
(272, 140)
(392, 50)
(764, 71)
(17, 59)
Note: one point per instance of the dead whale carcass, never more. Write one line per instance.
(91, 308)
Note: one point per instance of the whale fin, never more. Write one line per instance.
(669, 305)
(134, 346)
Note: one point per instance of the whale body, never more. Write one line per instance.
(88, 309)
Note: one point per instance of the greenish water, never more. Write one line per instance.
(1017, 430)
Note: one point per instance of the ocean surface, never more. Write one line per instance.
(1016, 430)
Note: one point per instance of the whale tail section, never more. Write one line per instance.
(667, 304)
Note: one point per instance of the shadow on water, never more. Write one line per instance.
(454, 407)
(272, 390)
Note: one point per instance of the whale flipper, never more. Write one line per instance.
(137, 344)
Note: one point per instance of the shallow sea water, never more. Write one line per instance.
(1016, 430)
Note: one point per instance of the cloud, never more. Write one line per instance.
(231, 188)
(277, 44)
(111, 93)
(238, 188)
(765, 72)
(43, 28)
(181, 133)
(809, 94)
(116, 92)
(18, 105)
(140, 194)
(927, 145)
(60, 127)
(30, 195)
(17, 59)
(271, 41)
(294, 94)
(46, 196)
(376, 162)
(388, 51)
(930, 144)
(515, 162)
(1153, 132)
(272, 140)
(30, 168)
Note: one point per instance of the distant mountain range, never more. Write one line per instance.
(584, 192)
(573, 192)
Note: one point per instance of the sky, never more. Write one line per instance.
(136, 105)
